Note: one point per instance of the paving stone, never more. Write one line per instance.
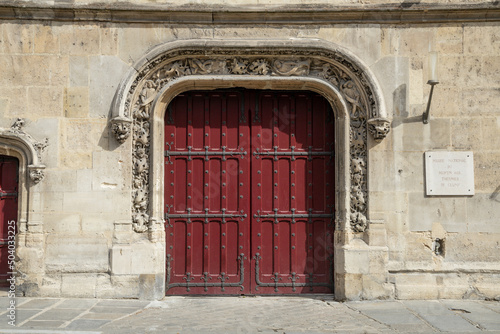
(123, 303)
(38, 304)
(58, 314)
(427, 307)
(109, 309)
(77, 304)
(102, 316)
(450, 323)
(43, 324)
(23, 315)
(86, 324)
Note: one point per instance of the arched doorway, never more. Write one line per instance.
(249, 192)
(9, 187)
(347, 84)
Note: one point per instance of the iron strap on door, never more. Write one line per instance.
(293, 215)
(7, 194)
(206, 215)
(190, 153)
(292, 153)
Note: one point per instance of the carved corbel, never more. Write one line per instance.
(120, 126)
(379, 128)
(36, 173)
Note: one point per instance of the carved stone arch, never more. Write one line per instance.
(315, 65)
(15, 142)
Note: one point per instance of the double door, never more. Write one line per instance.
(249, 193)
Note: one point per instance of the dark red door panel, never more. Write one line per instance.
(8, 213)
(249, 193)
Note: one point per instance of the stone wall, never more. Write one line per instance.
(61, 77)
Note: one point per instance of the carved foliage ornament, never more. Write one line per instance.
(337, 70)
(36, 168)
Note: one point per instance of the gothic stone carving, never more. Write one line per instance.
(120, 127)
(330, 66)
(35, 171)
(379, 128)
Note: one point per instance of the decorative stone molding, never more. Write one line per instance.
(27, 144)
(338, 68)
(379, 128)
(120, 127)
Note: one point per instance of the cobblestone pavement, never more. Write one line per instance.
(317, 314)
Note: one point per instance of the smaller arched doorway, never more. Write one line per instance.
(9, 187)
(249, 192)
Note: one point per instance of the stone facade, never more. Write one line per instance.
(72, 74)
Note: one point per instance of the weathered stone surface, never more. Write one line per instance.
(76, 102)
(76, 253)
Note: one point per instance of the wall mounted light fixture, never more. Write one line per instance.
(432, 80)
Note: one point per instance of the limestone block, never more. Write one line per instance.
(418, 249)
(83, 136)
(62, 223)
(99, 222)
(352, 288)
(78, 71)
(416, 91)
(490, 128)
(45, 101)
(33, 70)
(396, 222)
(135, 41)
(481, 38)
(80, 39)
(466, 134)
(46, 128)
(137, 259)
(74, 160)
(17, 38)
(363, 40)
(491, 70)
(45, 40)
(381, 171)
(76, 102)
(151, 286)
(485, 172)
(52, 201)
(31, 260)
(107, 172)
(59, 181)
(482, 210)
(449, 70)
(79, 285)
(105, 74)
(446, 101)
(416, 286)
(450, 212)
(471, 72)
(407, 41)
(480, 101)
(453, 285)
(88, 202)
(393, 75)
(84, 180)
(377, 287)
(51, 285)
(449, 39)
(13, 102)
(416, 137)
(109, 40)
(385, 201)
(409, 171)
(111, 286)
(76, 253)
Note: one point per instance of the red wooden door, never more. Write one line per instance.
(249, 193)
(8, 214)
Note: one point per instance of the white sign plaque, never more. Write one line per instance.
(449, 173)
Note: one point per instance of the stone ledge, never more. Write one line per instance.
(268, 15)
